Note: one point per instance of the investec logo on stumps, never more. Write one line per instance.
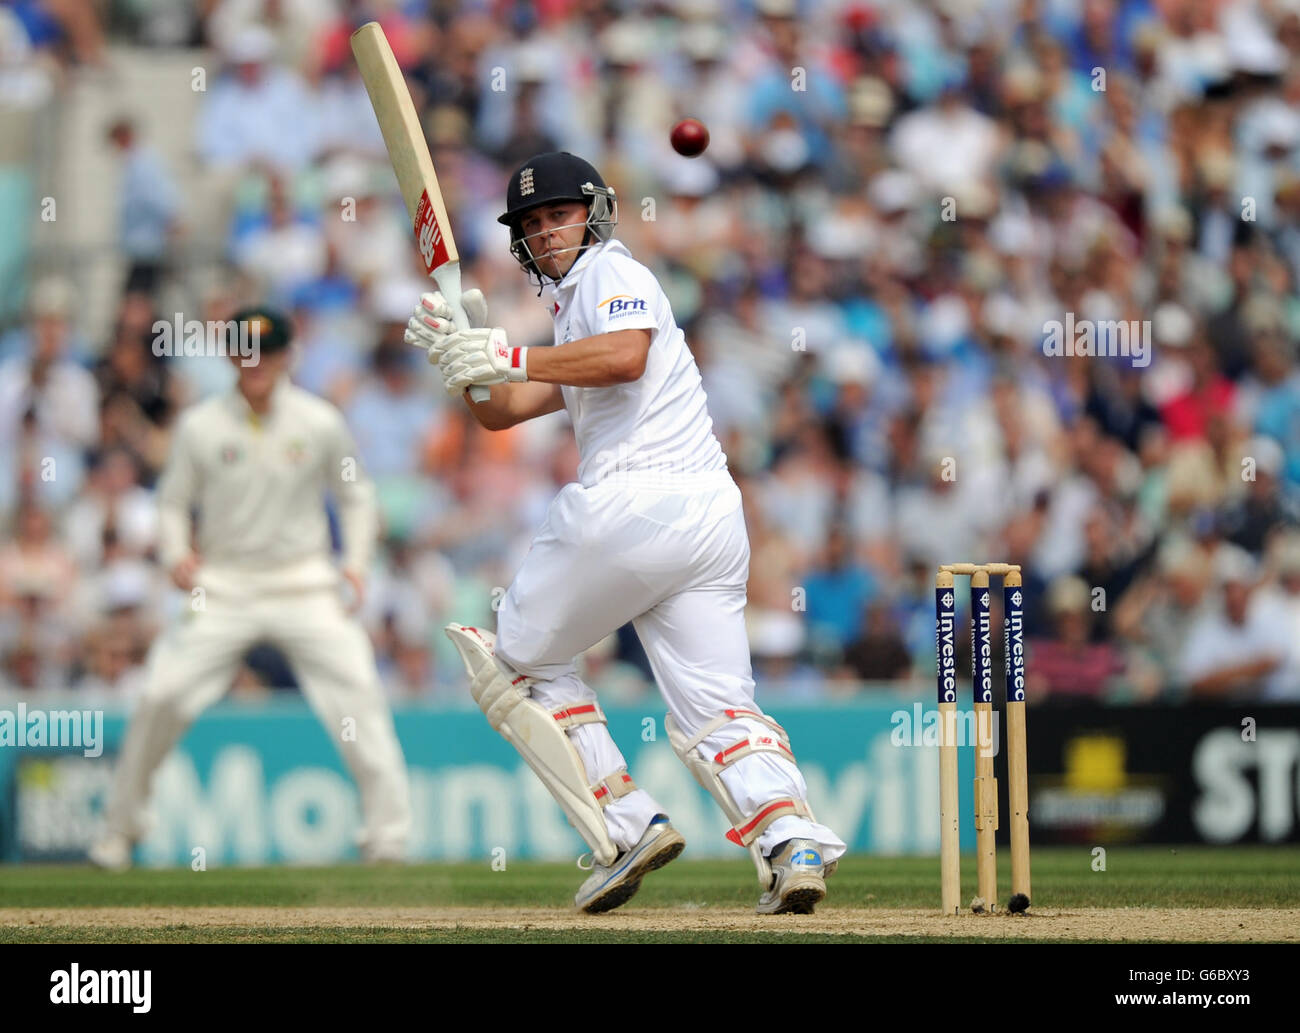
(944, 646)
(107, 986)
(1015, 646)
(982, 656)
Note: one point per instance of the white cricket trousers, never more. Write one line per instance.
(674, 563)
(193, 664)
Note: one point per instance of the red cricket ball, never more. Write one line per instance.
(689, 137)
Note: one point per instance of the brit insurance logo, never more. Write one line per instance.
(622, 305)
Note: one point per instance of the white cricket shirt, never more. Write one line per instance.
(258, 485)
(657, 429)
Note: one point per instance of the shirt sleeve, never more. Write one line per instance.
(177, 494)
(623, 295)
(354, 492)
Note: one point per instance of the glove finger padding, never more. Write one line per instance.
(431, 324)
(475, 307)
(434, 305)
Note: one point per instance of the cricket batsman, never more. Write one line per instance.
(243, 529)
(652, 532)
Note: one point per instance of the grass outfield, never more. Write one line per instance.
(1195, 893)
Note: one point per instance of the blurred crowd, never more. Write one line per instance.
(897, 199)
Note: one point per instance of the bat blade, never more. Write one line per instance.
(412, 165)
(407, 150)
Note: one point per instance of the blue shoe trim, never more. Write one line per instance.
(658, 819)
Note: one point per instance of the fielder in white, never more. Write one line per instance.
(255, 466)
(652, 532)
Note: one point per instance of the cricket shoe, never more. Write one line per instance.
(112, 852)
(798, 879)
(608, 886)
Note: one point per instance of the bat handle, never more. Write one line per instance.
(448, 279)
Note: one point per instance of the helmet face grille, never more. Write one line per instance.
(602, 217)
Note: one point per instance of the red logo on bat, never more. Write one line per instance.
(428, 235)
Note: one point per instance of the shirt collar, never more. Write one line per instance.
(245, 412)
(585, 260)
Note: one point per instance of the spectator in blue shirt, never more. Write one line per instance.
(838, 591)
(147, 207)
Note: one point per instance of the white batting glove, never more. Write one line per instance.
(481, 356)
(431, 324)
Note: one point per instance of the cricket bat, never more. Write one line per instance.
(413, 166)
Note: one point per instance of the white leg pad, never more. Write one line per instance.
(745, 828)
(540, 738)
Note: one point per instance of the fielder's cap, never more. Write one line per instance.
(274, 328)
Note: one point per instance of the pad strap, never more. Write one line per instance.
(752, 744)
(728, 716)
(580, 714)
(743, 835)
(613, 787)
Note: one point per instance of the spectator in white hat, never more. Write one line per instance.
(1239, 650)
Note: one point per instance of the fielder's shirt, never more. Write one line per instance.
(258, 484)
(657, 427)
